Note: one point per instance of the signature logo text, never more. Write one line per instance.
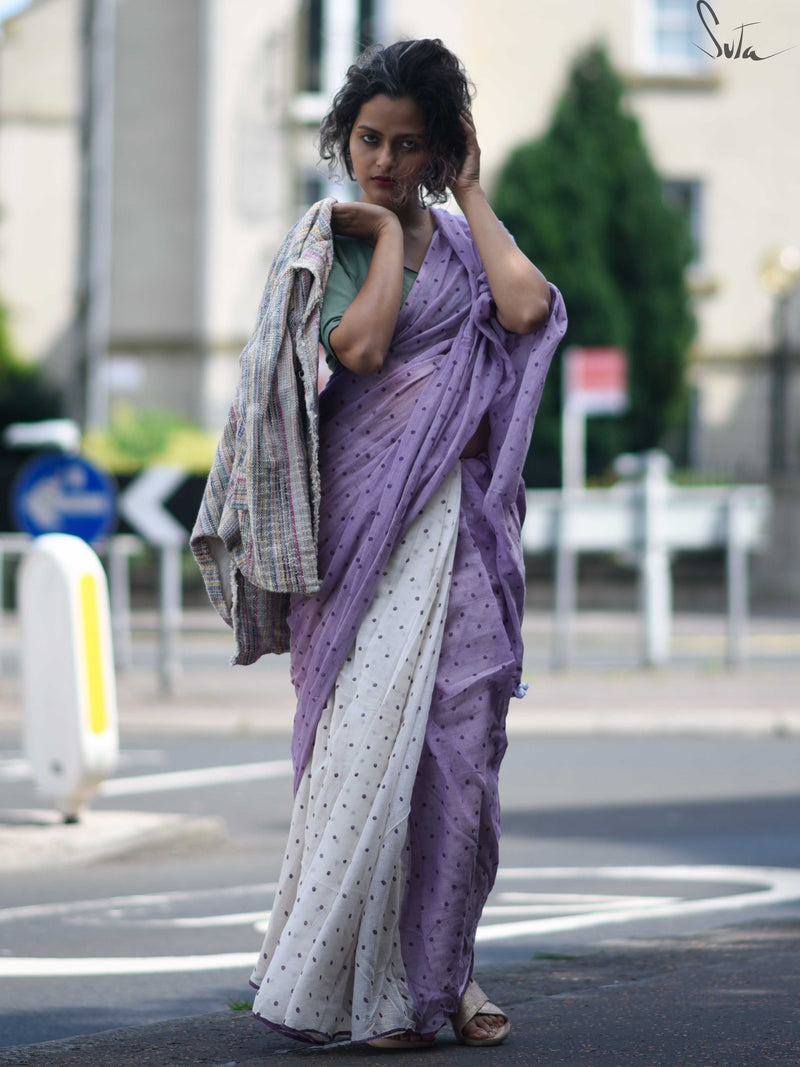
(734, 49)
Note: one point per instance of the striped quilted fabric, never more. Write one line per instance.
(255, 538)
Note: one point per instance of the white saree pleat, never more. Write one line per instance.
(331, 963)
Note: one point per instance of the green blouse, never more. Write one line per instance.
(351, 263)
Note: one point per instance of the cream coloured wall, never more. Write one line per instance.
(38, 243)
(39, 163)
(209, 156)
(247, 163)
(40, 73)
(247, 155)
(736, 137)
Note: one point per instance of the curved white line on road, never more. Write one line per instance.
(780, 885)
(771, 885)
(616, 904)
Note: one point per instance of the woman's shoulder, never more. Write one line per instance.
(452, 223)
(454, 228)
(352, 255)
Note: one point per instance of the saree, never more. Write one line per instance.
(404, 662)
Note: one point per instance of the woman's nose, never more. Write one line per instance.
(385, 156)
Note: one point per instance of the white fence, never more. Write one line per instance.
(652, 518)
(645, 515)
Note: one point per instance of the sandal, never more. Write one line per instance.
(474, 1003)
(408, 1040)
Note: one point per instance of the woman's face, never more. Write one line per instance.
(388, 150)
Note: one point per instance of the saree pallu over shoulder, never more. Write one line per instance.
(388, 441)
(255, 538)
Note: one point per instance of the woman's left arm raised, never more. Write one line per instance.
(519, 289)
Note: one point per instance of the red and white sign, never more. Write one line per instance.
(596, 380)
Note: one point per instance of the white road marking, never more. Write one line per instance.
(195, 778)
(179, 922)
(18, 769)
(92, 967)
(620, 903)
(776, 885)
(139, 900)
(756, 887)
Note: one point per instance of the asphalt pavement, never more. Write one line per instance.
(727, 998)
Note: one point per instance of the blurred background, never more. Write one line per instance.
(154, 152)
(644, 153)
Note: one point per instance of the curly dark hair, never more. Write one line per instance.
(433, 77)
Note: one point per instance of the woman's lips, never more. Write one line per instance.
(386, 183)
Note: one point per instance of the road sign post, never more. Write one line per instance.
(595, 382)
(142, 505)
(61, 493)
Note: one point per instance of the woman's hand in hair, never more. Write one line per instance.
(520, 291)
(468, 178)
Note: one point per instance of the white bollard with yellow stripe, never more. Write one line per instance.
(69, 691)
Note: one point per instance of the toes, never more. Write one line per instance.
(482, 1027)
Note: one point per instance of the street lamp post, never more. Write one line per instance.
(97, 146)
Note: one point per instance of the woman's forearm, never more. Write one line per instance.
(362, 338)
(519, 289)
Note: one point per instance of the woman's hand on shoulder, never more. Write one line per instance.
(364, 334)
(363, 221)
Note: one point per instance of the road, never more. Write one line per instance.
(605, 838)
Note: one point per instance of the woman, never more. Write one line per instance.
(405, 657)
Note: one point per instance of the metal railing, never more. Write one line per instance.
(650, 517)
(645, 514)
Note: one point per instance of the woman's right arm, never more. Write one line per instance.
(362, 338)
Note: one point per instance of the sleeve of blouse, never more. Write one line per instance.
(340, 291)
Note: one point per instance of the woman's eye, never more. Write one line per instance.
(409, 146)
(369, 138)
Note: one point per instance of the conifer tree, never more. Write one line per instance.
(587, 205)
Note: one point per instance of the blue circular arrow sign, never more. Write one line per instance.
(57, 493)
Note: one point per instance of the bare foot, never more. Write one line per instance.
(484, 1027)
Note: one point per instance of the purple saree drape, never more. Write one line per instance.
(387, 442)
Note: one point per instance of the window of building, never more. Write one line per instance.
(365, 19)
(686, 195)
(669, 30)
(368, 23)
(311, 45)
(314, 188)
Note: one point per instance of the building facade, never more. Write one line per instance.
(153, 153)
